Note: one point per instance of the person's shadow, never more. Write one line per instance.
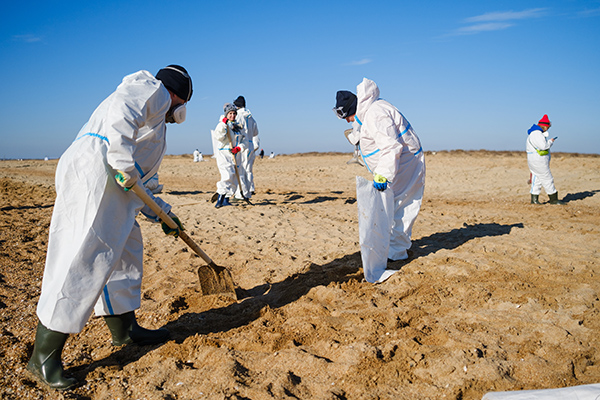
(456, 237)
(253, 302)
(579, 196)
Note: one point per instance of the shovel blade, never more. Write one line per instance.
(216, 280)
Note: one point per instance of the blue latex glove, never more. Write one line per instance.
(379, 182)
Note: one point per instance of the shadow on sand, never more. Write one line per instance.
(253, 301)
(579, 196)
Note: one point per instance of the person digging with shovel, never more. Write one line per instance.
(95, 247)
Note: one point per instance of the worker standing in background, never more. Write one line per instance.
(228, 141)
(250, 130)
(538, 159)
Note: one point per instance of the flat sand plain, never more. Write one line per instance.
(500, 294)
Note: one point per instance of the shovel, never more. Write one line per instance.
(213, 278)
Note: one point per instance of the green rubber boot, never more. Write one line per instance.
(554, 199)
(45, 362)
(125, 330)
(535, 199)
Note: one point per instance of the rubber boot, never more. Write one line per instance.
(45, 362)
(125, 330)
(226, 202)
(223, 201)
(535, 199)
(554, 199)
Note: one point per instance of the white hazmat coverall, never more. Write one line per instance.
(95, 248)
(226, 160)
(390, 147)
(539, 165)
(250, 131)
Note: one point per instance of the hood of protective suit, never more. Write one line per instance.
(367, 93)
(533, 129)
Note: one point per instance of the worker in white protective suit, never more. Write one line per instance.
(228, 142)
(250, 131)
(538, 158)
(392, 152)
(95, 248)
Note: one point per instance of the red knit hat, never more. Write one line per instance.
(544, 120)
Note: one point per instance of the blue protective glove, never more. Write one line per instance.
(379, 182)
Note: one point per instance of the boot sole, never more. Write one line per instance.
(39, 379)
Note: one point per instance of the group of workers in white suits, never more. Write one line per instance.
(95, 248)
(235, 143)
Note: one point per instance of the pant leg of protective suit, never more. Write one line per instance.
(408, 187)
(242, 167)
(540, 167)
(536, 185)
(405, 215)
(122, 292)
(251, 158)
(228, 183)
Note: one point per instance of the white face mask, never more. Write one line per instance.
(177, 114)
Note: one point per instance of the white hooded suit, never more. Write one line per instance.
(227, 161)
(95, 248)
(539, 164)
(390, 147)
(250, 131)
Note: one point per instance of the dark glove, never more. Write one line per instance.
(236, 127)
(236, 150)
(379, 182)
(170, 231)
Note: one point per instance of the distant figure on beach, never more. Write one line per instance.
(95, 246)
(272, 155)
(196, 155)
(262, 153)
(538, 159)
(392, 153)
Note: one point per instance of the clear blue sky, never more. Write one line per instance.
(467, 74)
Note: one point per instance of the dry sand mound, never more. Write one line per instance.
(500, 295)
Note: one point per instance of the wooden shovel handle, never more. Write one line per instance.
(139, 190)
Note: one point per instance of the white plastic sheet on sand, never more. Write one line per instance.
(583, 392)
(375, 212)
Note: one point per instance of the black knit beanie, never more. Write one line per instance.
(346, 102)
(176, 79)
(240, 102)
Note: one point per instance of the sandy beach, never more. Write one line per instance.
(500, 294)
